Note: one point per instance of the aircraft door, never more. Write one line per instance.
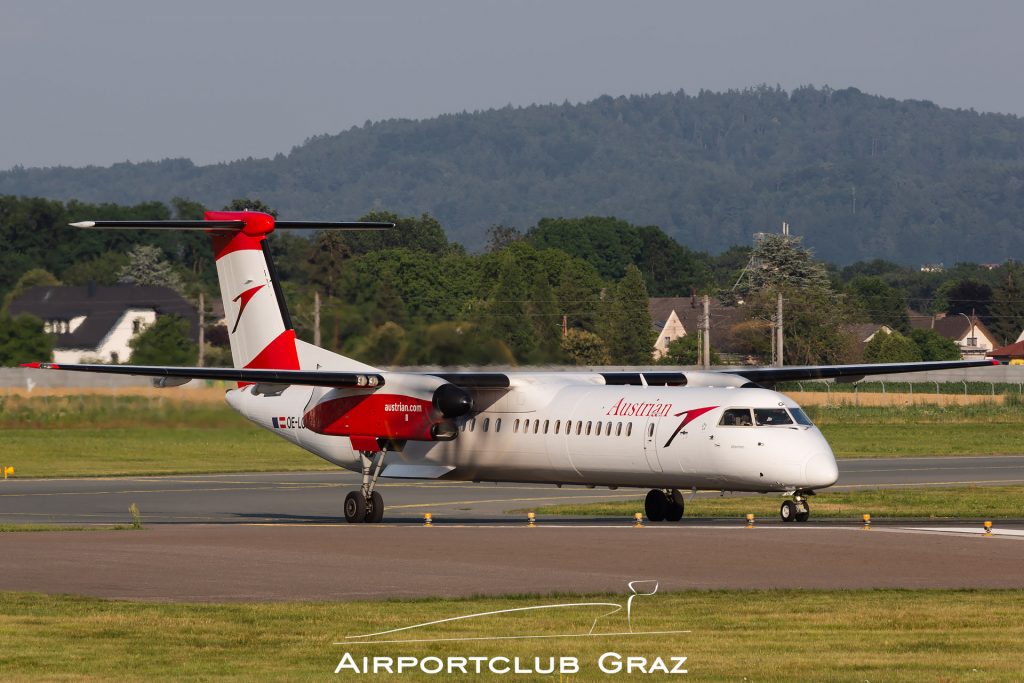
(651, 445)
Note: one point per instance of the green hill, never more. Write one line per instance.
(859, 176)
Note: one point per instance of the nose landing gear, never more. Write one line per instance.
(664, 505)
(366, 505)
(796, 510)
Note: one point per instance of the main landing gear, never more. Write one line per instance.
(366, 505)
(796, 510)
(664, 505)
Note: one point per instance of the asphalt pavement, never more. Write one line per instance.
(316, 497)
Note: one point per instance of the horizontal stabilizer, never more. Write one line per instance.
(231, 225)
(317, 378)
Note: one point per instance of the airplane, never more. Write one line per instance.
(667, 431)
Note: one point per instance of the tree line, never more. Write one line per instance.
(562, 291)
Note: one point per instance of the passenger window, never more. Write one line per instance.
(589, 425)
(618, 429)
(515, 427)
(487, 423)
(497, 425)
(650, 430)
(536, 426)
(598, 429)
(579, 427)
(764, 417)
(558, 423)
(608, 428)
(472, 424)
(629, 429)
(546, 422)
(736, 417)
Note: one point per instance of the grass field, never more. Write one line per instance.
(734, 636)
(187, 432)
(967, 502)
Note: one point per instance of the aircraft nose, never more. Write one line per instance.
(820, 471)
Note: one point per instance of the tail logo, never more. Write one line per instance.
(244, 298)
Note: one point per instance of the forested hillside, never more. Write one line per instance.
(859, 176)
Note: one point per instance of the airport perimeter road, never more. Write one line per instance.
(316, 497)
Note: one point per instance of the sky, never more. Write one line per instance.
(215, 80)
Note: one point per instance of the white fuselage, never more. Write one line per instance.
(591, 434)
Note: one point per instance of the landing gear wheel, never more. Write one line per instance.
(656, 505)
(355, 507)
(674, 513)
(375, 508)
(805, 514)
(788, 511)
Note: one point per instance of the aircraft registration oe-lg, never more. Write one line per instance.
(665, 431)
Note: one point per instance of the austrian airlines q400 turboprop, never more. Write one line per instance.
(664, 431)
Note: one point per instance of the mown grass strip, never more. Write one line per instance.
(233, 447)
(883, 635)
(969, 502)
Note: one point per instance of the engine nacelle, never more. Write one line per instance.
(406, 408)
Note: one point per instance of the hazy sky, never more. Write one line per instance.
(104, 81)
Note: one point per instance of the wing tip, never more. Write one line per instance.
(40, 366)
(83, 224)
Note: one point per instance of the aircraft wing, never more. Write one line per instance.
(318, 378)
(849, 373)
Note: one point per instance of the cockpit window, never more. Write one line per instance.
(736, 417)
(764, 417)
(801, 417)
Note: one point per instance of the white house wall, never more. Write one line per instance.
(114, 346)
(672, 330)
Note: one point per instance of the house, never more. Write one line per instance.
(865, 332)
(1012, 354)
(94, 324)
(678, 316)
(969, 333)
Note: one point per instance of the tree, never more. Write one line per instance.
(782, 263)
(325, 259)
(881, 303)
(146, 266)
(585, 348)
(247, 204)
(103, 270)
(500, 236)
(628, 330)
(506, 316)
(37, 277)
(934, 346)
(165, 342)
(22, 340)
(1007, 309)
(891, 348)
(385, 345)
(420, 234)
(814, 315)
(188, 210)
(686, 350)
(967, 296)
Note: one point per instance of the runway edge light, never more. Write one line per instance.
(750, 520)
(428, 519)
(638, 520)
(8, 471)
(867, 522)
(988, 528)
(531, 519)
